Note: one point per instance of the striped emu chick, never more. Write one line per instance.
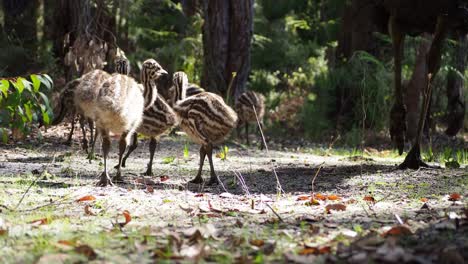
(178, 88)
(85, 89)
(157, 118)
(207, 120)
(246, 106)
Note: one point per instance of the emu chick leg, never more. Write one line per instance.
(105, 179)
(198, 178)
(152, 147)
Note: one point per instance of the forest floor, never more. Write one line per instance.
(363, 209)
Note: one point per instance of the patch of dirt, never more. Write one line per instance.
(362, 210)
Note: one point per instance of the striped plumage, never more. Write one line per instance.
(193, 89)
(122, 65)
(207, 120)
(157, 118)
(249, 106)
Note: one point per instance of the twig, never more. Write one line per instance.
(34, 182)
(273, 210)
(278, 184)
(313, 179)
(5, 207)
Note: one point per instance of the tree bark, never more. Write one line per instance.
(455, 86)
(227, 35)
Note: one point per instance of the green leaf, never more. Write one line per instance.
(4, 136)
(46, 117)
(49, 79)
(4, 85)
(27, 84)
(19, 85)
(36, 82)
(28, 112)
(168, 160)
(45, 81)
(186, 151)
(45, 99)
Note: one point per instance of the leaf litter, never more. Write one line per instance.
(351, 218)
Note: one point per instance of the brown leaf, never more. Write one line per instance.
(150, 189)
(454, 197)
(86, 198)
(88, 211)
(146, 181)
(66, 242)
(303, 198)
(199, 195)
(336, 207)
(43, 221)
(164, 178)
(397, 231)
(257, 242)
(319, 196)
(315, 250)
(333, 197)
(127, 216)
(369, 199)
(86, 251)
(424, 200)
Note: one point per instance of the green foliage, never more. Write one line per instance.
(363, 83)
(186, 150)
(223, 153)
(163, 32)
(24, 102)
(168, 160)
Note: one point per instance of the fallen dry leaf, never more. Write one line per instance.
(315, 250)
(43, 221)
(336, 207)
(424, 200)
(86, 198)
(257, 242)
(66, 242)
(146, 181)
(127, 216)
(454, 197)
(397, 231)
(319, 196)
(199, 195)
(369, 199)
(333, 197)
(87, 251)
(303, 198)
(164, 178)
(150, 189)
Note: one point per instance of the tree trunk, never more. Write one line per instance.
(227, 34)
(455, 85)
(413, 90)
